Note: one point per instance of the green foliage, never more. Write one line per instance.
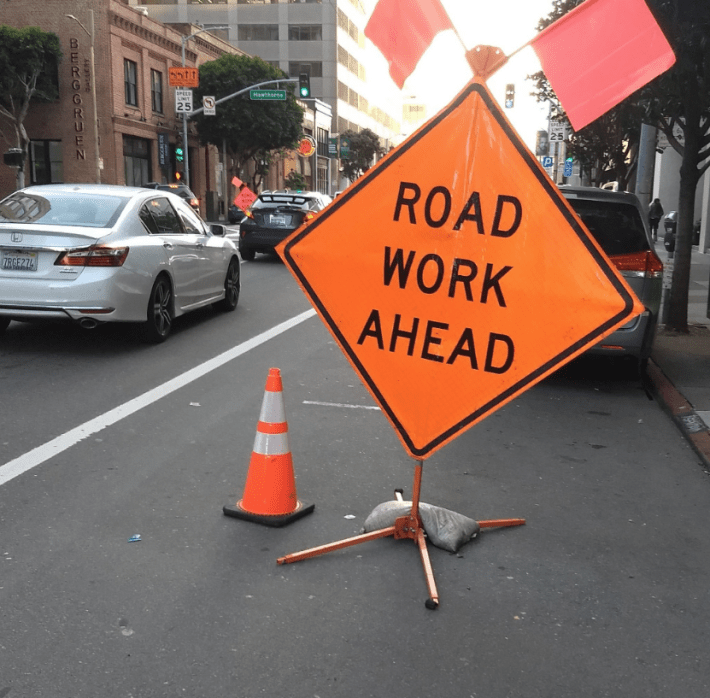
(364, 146)
(28, 65)
(295, 180)
(28, 71)
(250, 128)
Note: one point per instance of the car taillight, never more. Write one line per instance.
(645, 264)
(94, 256)
(308, 216)
(194, 202)
(249, 214)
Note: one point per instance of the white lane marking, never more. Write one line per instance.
(61, 443)
(340, 404)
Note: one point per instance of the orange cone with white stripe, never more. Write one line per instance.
(270, 490)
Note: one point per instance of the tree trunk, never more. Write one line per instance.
(689, 176)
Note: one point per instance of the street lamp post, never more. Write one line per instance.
(185, 149)
(90, 32)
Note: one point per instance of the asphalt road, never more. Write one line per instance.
(603, 593)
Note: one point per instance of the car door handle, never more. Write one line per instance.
(168, 245)
(200, 245)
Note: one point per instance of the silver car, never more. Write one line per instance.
(619, 225)
(100, 253)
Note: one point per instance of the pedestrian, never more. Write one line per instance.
(655, 213)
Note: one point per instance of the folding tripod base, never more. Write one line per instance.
(409, 526)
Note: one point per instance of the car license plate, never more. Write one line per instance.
(278, 220)
(19, 261)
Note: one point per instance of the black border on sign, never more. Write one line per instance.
(558, 199)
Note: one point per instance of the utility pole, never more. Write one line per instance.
(184, 40)
(646, 165)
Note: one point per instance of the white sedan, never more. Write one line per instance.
(96, 253)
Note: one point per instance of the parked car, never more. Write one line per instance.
(95, 253)
(182, 190)
(235, 215)
(670, 223)
(273, 217)
(619, 224)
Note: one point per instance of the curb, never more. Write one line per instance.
(681, 411)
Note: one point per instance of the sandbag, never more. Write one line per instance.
(446, 529)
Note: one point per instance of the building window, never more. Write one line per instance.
(258, 32)
(46, 162)
(305, 32)
(136, 161)
(130, 81)
(156, 91)
(322, 142)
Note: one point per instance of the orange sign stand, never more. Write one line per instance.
(409, 526)
(475, 279)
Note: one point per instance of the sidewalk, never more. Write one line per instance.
(679, 369)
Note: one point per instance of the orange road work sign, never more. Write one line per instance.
(181, 76)
(454, 275)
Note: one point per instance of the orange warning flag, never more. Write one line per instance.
(620, 45)
(403, 31)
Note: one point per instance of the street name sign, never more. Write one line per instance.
(267, 94)
(454, 283)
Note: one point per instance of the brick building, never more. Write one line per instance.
(138, 130)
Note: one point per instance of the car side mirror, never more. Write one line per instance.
(217, 229)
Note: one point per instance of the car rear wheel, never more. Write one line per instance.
(232, 286)
(247, 255)
(159, 320)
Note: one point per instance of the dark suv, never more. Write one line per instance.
(182, 190)
(273, 217)
(617, 222)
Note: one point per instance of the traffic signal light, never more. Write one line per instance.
(179, 154)
(509, 96)
(304, 85)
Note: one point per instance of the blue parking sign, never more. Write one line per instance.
(568, 168)
(547, 161)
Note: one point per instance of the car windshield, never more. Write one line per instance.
(617, 227)
(62, 208)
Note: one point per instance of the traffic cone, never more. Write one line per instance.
(270, 491)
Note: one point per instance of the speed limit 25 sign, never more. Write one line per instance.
(183, 101)
(558, 131)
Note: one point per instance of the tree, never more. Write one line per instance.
(28, 71)
(295, 180)
(249, 129)
(679, 98)
(364, 146)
